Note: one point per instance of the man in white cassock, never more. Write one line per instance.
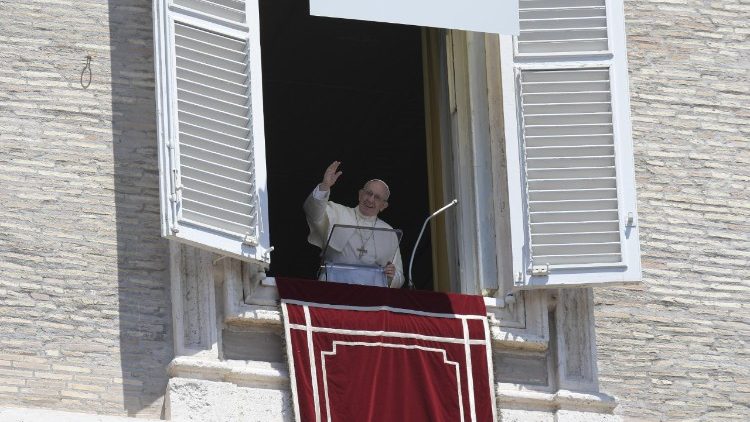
(352, 246)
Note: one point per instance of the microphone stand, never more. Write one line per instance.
(421, 232)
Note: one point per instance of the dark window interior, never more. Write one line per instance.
(344, 90)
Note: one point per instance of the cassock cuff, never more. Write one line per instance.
(320, 194)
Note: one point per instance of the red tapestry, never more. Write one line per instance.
(360, 353)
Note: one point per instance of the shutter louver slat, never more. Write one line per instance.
(567, 216)
(567, 238)
(212, 221)
(566, 107)
(210, 81)
(562, 12)
(584, 129)
(571, 85)
(565, 34)
(211, 125)
(214, 123)
(568, 98)
(232, 10)
(570, 168)
(215, 179)
(198, 56)
(566, 163)
(565, 23)
(566, 46)
(186, 128)
(216, 158)
(558, 75)
(214, 114)
(542, 120)
(213, 168)
(559, 4)
(214, 103)
(212, 145)
(220, 214)
(589, 259)
(570, 151)
(208, 43)
(223, 74)
(224, 192)
(575, 227)
(562, 26)
(188, 87)
(558, 175)
(584, 205)
(596, 182)
(228, 205)
(571, 194)
(573, 249)
(570, 140)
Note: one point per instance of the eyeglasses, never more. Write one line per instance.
(368, 192)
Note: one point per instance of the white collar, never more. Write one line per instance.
(363, 217)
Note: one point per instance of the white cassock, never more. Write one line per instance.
(350, 246)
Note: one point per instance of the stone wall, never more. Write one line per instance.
(676, 348)
(84, 285)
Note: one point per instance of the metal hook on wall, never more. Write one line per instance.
(83, 72)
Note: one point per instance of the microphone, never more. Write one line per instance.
(421, 232)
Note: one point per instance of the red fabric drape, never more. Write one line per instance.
(360, 353)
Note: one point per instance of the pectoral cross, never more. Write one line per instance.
(362, 251)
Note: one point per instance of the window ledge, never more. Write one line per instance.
(244, 314)
(242, 373)
(560, 400)
(264, 310)
(510, 340)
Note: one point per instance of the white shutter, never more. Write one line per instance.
(569, 146)
(211, 138)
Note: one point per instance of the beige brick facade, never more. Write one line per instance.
(677, 347)
(84, 284)
(85, 319)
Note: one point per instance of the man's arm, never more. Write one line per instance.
(316, 202)
(395, 272)
(315, 213)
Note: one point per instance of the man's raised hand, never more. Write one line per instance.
(330, 176)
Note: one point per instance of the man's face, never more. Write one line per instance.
(373, 198)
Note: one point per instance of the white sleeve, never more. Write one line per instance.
(320, 194)
(398, 278)
(315, 213)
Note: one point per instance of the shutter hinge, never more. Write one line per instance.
(176, 197)
(250, 240)
(540, 270)
(267, 254)
(176, 187)
(518, 279)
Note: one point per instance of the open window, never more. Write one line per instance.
(346, 90)
(561, 100)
